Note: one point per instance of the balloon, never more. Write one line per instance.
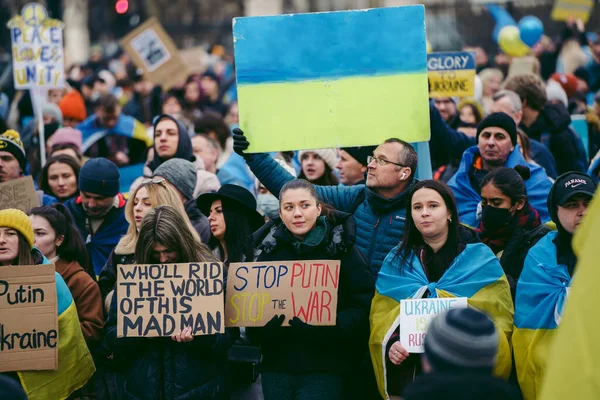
(531, 29)
(510, 42)
(502, 18)
(428, 47)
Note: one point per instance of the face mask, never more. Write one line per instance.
(268, 204)
(495, 218)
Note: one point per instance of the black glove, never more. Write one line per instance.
(240, 143)
(273, 329)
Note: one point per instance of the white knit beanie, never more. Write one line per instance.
(327, 155)
(554, 91)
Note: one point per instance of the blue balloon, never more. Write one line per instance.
(531, 30)
(502, 18)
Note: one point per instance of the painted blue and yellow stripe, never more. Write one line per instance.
(327, 79)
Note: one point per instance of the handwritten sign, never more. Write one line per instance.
(153, 51)
(28, 318)
(576, 9)
(451, 74)
(37, 49)
(415, 316)
(18, 193)
(304, 289)
(162, 300)
(352, 71)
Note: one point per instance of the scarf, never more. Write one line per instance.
(527, 218)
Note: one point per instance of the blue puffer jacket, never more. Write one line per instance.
(379, 221)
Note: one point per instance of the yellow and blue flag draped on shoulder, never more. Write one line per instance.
(475, 274)
(126, 126)
(541, 294)
(75, 364)
(573, 364)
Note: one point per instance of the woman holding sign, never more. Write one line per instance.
(437, 258)
(304, 360)
(75, 364)
(182, 366)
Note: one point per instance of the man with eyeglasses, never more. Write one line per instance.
(99, 210)
(379, 206)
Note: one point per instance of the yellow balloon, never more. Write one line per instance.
(510, 42)
(428, 47)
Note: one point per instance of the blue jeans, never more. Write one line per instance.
(283, 386)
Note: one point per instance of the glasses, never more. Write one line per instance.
(152, 180)
(382, 161)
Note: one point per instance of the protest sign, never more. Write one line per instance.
(323, 80)
(153, 51)
(195, 59)
(28, 318)
(451, 74)
(415, 316)
(37, 49)
(576, 9)
(18, 193)
(162, 300)
(304, 289)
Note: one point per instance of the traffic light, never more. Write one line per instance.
(122, 6)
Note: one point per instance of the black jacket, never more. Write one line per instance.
(108, 276)
(319, 349)
(456, 386)
(551, 128)
(198, 220)
(162, 369)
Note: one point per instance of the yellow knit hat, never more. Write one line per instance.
(19, 221)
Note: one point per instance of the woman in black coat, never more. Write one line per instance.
(302, 360)
(181, 367)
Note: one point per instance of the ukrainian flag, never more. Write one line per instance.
(350, 77)
(126, 126)
(541, 295)
(573, 359)
(75, 364)
(475, 274)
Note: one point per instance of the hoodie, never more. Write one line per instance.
(552, 129)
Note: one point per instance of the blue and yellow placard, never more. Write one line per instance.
(322, 80)
(451, 74)
(37, 49)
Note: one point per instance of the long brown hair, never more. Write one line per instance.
(166, 226)
(24, 256)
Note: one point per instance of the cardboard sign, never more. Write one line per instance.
(451, 74)
(162, 300)
(304, 289)
(576, 9)
(28, 318)
(18, 193)
(195, 58)
(331, 79)
(37, 49)
(415, 316)
(152, 50)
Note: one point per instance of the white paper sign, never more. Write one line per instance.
(150, 49)
(37, 49)
(415, 316)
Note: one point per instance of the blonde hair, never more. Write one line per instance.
(159, 193)
(572, 56)
(166, 226)
(488, 73)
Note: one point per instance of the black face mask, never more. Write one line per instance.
(495, 218)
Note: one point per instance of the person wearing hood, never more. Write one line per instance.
(548, 123)
(496, 148)
(460, 350)
(171, 140)
(303, 360)
(509, 225)
(544, 285)
(379, 206)
(438, 257)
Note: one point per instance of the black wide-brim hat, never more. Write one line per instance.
(237, 194)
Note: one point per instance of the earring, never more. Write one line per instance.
(449, 220)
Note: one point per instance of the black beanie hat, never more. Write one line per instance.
(360, 153)
(499, 120)
(100, 176)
